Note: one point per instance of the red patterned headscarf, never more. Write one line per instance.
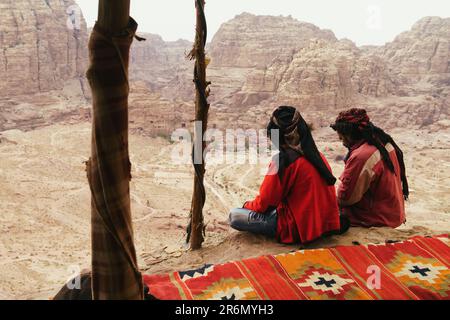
(355, 116)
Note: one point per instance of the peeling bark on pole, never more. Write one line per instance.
(201, 114)
(115, 274)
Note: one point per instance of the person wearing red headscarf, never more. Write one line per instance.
(373, 185)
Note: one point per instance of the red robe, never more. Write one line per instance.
(370, 194)
(306, 205)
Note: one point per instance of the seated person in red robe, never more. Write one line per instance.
(297, 199)
(373, 185)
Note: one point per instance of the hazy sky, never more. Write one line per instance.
(363, 21)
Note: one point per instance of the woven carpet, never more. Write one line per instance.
(416, 269)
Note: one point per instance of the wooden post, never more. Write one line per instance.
(115, 273)
(113, 15)
(201, 115)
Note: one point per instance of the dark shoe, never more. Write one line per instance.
(345, 224)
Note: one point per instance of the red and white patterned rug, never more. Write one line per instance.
(415, 269)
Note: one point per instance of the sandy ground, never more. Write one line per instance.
(45, 205)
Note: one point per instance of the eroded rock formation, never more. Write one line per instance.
(257, 63)
(43, 43)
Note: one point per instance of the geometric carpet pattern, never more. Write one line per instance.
(416, 269)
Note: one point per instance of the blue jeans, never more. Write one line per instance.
(260, 223)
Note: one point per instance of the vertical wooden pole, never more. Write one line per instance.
(115, 273)
(113, 15)
(201, 115)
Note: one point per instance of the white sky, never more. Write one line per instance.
(363, 21)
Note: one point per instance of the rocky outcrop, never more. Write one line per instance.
(28, 112)
(251, 41)
(424, 50)
(246, 45)
(258, 62)
(242, 46)
(419, 60)
(322, 76)
(43, 60)
(153, 115)
(404, 83)
(163, 66)
(43, 43)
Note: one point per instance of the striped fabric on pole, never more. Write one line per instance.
(115, 273)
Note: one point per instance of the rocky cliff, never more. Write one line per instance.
(257, 63)
(248, 44)
(163, 66)
(406, 82)
(251, 41)
(241, 49)
(43, 60)
(419, 61)
(43, 43)
(420, 52)
(323, 75)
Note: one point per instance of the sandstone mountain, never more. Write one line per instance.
(248, 44)
(245, 44)
(257, 63)
(250, 41)
(163, 66)
(43, 58)
(405, 82)
(419, 61)
(43, 43)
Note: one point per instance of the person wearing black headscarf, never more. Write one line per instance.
(297, 199)
(374, 184)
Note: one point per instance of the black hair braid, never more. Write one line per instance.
(386, 138)
(373, 138)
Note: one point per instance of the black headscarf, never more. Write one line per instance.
(295, 133)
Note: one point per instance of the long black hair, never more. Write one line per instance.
(285, 119)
